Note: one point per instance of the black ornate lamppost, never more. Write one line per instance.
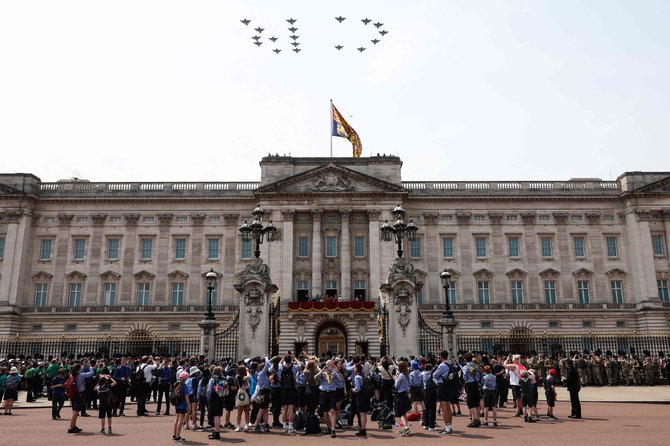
(255, 231)
(445, 277)
(399, 230)
(211, 278)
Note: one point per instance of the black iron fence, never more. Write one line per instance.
(430, 339)
(227, 339)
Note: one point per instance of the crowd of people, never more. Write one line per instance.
(299, 394)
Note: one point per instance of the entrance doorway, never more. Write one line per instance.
(520, 340)
(331, 339)
(140, 343)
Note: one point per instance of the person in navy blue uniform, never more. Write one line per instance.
(440, 377)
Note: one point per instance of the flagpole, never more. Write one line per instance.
(331, 128)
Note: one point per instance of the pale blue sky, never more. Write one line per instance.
(166, 90)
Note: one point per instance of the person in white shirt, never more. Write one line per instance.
(146, 367)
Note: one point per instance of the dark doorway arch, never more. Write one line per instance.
(331, 339)
(140, 343)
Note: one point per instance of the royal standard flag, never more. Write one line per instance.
(342, 129)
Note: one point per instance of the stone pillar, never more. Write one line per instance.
(345, 258)
(17, 242)
(433, 258)
(449, 337)
(374, 237)
(229, 255)
(640, 254)
(317, 255)
(286, 285)
(399, 296)
(208, 338)
(256, 290)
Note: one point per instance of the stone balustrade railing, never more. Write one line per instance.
(129, 309)
(530, 306)
(512, 186)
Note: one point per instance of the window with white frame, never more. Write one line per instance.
(359, 246)
(215, 293)
(113, 249)
(617, 291)
(517, 291)
(303, 246)
(663, 290)
(143, 293)
(583, 291)
(657, 244)
(415, 248)
(109, 293)
(480, 246)
(177, 293)
(483, 292)
(179, 248)
(452, 292)
(2, 248)
(448, 247)
(45, 249)
(546, 246)
(212, 248)
(578, 245)
(146, 248)
(331, 246)
(513, 246)
(74, 294)
(550, 291)
(41, 294)
(246, 249)
(79, 251)
(612, 246)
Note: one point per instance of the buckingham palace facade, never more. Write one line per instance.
(91, 259)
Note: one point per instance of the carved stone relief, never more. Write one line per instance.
(331, 182)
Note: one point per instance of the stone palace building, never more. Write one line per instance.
(583, 259)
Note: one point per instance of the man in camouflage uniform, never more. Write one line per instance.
(581, 370)
(635, 371)
(625, 367)
(563, 365)
(589, 370)
(612, 371)
(656, 366)
(648, 370)
(598, 371)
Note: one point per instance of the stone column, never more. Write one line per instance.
(345, 258)
(433, 258)
(640, 254)
(256, 290)
(129, 254)
(449, 337)
(399, 297)
(208, 338)
(286, 285)
(374, 237)
(229, 253)
(15, 262)
(93, 289)
(317, 255)
(61, 258)
(164, 256)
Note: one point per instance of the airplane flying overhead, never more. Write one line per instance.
(340, 19)
(361, 49)
(274, 39)
(297, 50)
(245, 21)
(260, 30)
(277, 50)
(383, 33)
(256, 38)
(365, 21)
(338, 47)
(294, 37)
(378, 24)
(291, 20)
(375, 41)
(258, 43)
(293, 29)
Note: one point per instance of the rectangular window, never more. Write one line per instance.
(359, 246)
(550, 291)
(45, 249)
(109, 293)
(41, 294)
(485, 324)
(620, 324)
(303, 246)
(545, 243)
(513, 246)
(246, 249)
(106, 327)
(554, 324)
(587, 324)
(175, 326)
(112, 249)
(657, 244)
(663, 291)
(213, 248)
(578, 244)
(331, 246)
(71, 327)
(415, 249)
(617, 291)
(143, 289)
(448, 247)
(480, 246)
(37, 327)
(612, 247)
(215, 294)
(178, 293)
(302, 285)
(180, 249)
(419, 296)
(483, 292)
(2, 247)
(517, 292)
(583, 290)
(75, 294)
(452, 292)
(146, 248)
(79, 249)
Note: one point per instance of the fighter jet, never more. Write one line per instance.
(260, 30)
(291, 20)
(245, 21)
(383, 33)
(294, 37)
(340, 19)
(297, 50)
(258, 43)
(365, 21)
(256, 38)
(295, 44)
(338, 47)
(361, 49)
(375, 41)
(293, 30)
(277, 50)
(274, 39)
(378, 24)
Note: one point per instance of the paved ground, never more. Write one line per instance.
(604, 424)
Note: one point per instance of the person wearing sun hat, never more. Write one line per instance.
(180, 406)
(12, 384)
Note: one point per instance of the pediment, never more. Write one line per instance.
(616, 272)
(583, 272)
(549, 273)
(661, 186)
(330, 179)
(144, 275)
(75, 275)
(178, 274)
(42, 275)
(516, 272)
(109, 274)
(483, 274)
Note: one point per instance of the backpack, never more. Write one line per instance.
(368, 386)
(139, 374)
(287, 378)
(431, 387)
(11, 383)
(387, 422)
(176, 398)
(221, 388)
(380, 412)
(104, 393)
(312, 425)
(70, 387)
(299, 421)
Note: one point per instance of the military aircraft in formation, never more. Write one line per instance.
(291, 20)
(375, 41)
(361, 49)
(338, 47)
(258, 43)
(259, 29)
(293, 30)
(383, 33)
(245, 21)
(340, 19)
(297, 50)
(365, 21)
(277, 50)
(274, 39)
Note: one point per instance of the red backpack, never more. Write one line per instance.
(70, 387)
